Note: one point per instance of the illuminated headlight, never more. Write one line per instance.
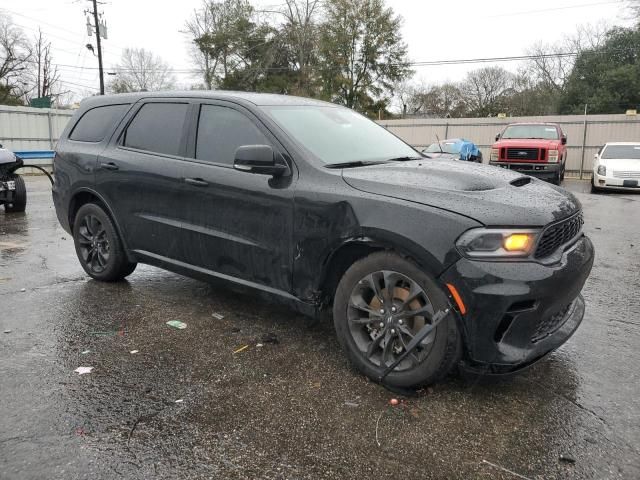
(495, 154)
(602, 170)
(553, 156)
(497, 243)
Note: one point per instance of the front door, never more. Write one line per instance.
(235, 223)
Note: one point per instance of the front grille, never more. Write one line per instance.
(522, 154)
(626, 174)
(549, 325)
(558, 234)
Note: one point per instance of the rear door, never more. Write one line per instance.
(235, 223)
(139, 175)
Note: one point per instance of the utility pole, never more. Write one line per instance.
(96, 24)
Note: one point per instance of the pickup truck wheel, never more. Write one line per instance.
(381, 302)
(20, 202)
(98, 245)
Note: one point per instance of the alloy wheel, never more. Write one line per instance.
(386, 309)
(93, 243)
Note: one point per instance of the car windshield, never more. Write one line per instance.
(546, 132)
(631, 152)
(447, 147)
(337, 135)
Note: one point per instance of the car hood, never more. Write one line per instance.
(527, 142)
(624, 164)
(7, 156)
(490, 195)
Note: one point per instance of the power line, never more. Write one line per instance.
(553, 9)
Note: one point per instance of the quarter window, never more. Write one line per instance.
(95, 123)
(157, 127)
(221, 130)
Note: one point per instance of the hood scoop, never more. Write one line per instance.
(521, 181)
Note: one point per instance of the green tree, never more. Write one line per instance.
(361, 52)
(606, 78)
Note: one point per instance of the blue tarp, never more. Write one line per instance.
(467, 149)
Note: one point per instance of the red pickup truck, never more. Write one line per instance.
(537, 149)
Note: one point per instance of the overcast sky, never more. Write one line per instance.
(433, 30)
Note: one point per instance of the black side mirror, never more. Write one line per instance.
(497, 137)
(564, 140)
(258, 159)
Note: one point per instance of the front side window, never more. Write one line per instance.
(221, 130)
(337, 135)
(95, 123)
(157, 127)
(627, 152)
(544, 132)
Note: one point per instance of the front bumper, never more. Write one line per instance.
(518, 312)
(545, 171)
(602, 181)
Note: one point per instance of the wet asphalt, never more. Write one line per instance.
(186, 406)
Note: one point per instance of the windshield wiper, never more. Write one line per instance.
(404, 159)
(357, 163)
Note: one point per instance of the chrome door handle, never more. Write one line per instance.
(198, 182)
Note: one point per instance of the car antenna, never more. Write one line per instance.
(439, 144)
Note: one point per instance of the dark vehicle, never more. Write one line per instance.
(455, 149)
(13, 192)
(423, 263)
(537, 149)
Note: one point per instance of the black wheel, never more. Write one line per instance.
(594, 189)
(381, 302)
(20, 202)
(98, 245)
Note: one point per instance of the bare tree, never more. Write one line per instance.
(219, 30)
(553, 62)
(485, 90)
(301, 33)
(43, 75)
(15, 55)
(141, 71)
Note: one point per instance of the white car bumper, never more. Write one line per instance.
(606, 181)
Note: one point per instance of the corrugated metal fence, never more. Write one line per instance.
(585, 134)
(23, 128)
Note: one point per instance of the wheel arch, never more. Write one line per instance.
(352, 249)
(86, 195)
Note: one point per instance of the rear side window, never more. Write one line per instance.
(221, 131)
(95, 123)
(157, 127)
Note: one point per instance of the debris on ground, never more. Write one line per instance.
(244, 347)
(80, 431)
(567, 459)
(217, 316)
(133, 351)
(83, 370)
(352, 404)
(177, 324)
(270, 338)
(180, 400)
(506, 470)
(394, 402)
(259, 345)
(7, 331)
(23, 289)
(235, 330)
(84, 352)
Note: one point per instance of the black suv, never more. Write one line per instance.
(424, 263)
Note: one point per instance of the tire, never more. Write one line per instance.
(562, 174)
(594, 189)
(20, 202)
(434, 360)
(98, 245)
